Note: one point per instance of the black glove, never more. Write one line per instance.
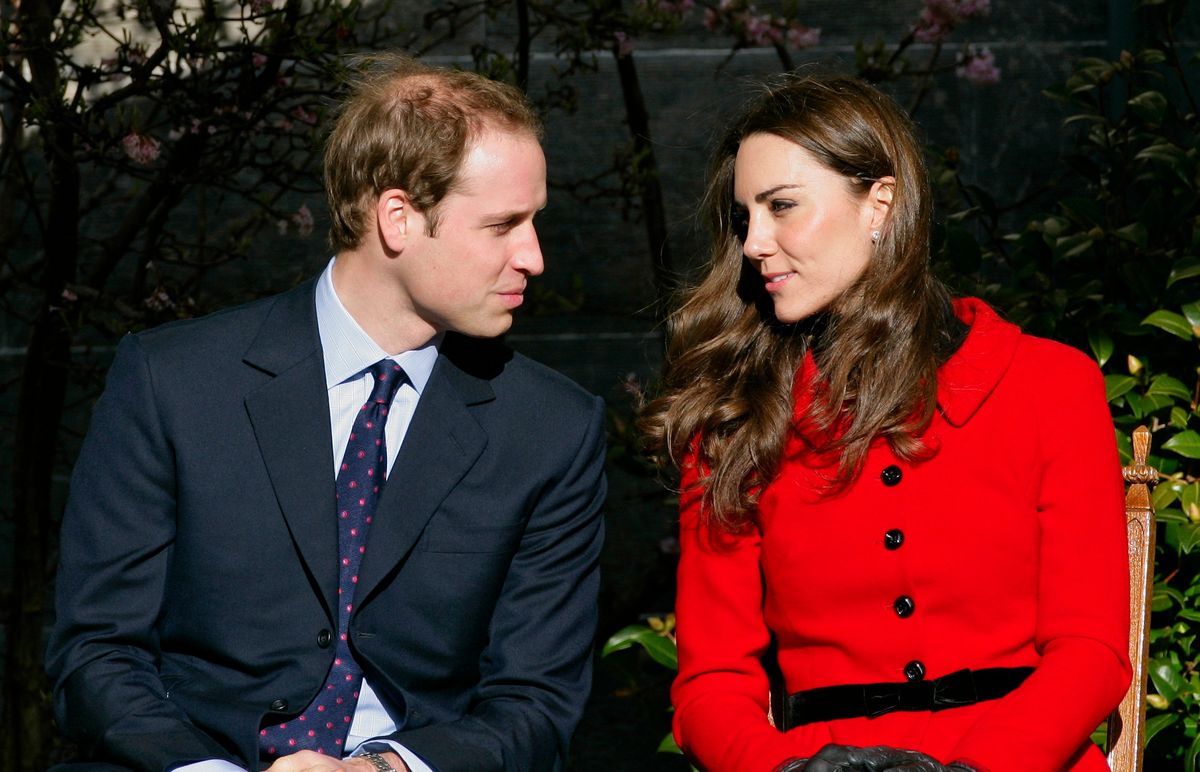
(879, 758)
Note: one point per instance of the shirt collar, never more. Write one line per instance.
(348, 350)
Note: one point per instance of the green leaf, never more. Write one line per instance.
(1164, 597)
(1164, 496)
(1189, 537)
(1151, 55)
(1150, 106)
(1191, 312)
(1168, 386)
(1156, 724)
(668, 745)
(1189, 760)
(1168, 681)
(1163, 152)
(1186, 444)
(1171, 322)
(1102, 345)
(1135, 233)
(1116, 385)
(1179, 418)
(660, 648)
(1188, 614)
(1184, 269)
(1189, 501)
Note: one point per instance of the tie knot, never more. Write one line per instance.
(387, 377)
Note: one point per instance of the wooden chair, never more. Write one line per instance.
(1127, 724)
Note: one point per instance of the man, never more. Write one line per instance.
(239, 588)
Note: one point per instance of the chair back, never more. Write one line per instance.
(1127, 724)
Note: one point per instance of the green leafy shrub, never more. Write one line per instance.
(1114, 268)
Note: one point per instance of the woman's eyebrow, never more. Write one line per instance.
(761, 197)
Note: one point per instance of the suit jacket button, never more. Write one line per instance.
(279, 706)
(915, 670)
(891, 475)
(904, 606)
(324, 638)
(893, 539)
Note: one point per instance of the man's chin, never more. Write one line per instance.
(492, 328)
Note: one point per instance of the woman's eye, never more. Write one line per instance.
(779, 205)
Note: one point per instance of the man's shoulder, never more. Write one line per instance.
(512, 374)
(231, 329)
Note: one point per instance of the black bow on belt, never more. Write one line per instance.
(953, 690)
(950, 691)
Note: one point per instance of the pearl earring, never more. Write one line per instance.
(874, 236)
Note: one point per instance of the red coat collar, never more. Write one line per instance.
(964, 382)
(967, 379)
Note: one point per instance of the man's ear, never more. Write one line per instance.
(394, 218)
(880, 200)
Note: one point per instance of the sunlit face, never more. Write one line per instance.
(472, 274)
(808, 234)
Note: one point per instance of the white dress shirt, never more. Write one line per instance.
(349, 353)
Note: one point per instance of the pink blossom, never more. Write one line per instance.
(69, 296)
(304, 116)
(159, 300)
(711, 20)
(799, 36)
(140, 148)
(970, 9)
(624, 44)
(939, 17)
(259, 6)
(677, 7)
(259, 60)
(303, 219)
(757, 29)
(978, 66)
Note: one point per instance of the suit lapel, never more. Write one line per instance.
(290, 416)
(443, 442)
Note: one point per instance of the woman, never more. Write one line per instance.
(909, 505)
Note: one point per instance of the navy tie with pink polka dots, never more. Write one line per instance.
(324, 724)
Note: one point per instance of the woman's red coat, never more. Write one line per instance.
(1014, 554)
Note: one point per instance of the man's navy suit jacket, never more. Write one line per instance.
(198, 578)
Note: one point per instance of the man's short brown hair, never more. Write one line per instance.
(408, 125)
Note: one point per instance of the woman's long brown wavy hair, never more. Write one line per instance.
(728, 392)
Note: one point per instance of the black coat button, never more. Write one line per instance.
(324, 638)
(915, 670)
(893, 539)
(903, 606)
(891, 475)
(279, 706)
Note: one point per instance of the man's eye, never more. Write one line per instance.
(503, 227)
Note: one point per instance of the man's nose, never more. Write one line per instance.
(528, 257)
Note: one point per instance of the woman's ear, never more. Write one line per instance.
(880, 200)
(394, 216)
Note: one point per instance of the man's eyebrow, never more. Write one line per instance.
(509, 214)
(761, 197)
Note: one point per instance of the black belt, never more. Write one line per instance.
(962, 687)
